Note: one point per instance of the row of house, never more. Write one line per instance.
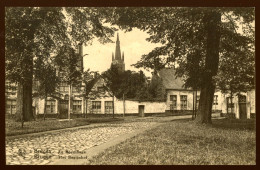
(179, 100)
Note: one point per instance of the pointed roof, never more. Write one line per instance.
(170, 81)
(118, 51)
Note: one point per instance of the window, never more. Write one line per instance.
(64, 87)
(10, 106)
(173, 102)
(50, 106)
(242, 99)
(96, 106)
(77, 106)
(215, 101)
(108, 107)
(183, 102)
(75, 89)
(230, 106)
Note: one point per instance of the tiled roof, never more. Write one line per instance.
(170, 81)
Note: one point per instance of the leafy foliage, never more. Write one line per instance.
(45, 76)
(181, 31)
(134, 85)
(197, 40)
(49, 31)
(66, 61)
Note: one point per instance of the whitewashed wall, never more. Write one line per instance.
(178, 93)
(132, 107)
(190, 99)
(250, 99)
(103, 99)
(38, 103)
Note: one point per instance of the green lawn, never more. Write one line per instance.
(226, 142)
(14, 128)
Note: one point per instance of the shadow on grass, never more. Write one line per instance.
(14, 128)
(236, 124)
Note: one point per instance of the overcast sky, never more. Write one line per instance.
(133, 44)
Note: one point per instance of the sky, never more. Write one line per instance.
(133, 44)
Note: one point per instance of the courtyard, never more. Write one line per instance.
(173, 140)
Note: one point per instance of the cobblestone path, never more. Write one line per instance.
(43, 149)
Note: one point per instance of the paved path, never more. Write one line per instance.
(45, 149)
(77, 145)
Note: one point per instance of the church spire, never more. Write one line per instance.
(118, 51)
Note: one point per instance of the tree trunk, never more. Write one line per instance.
(24, 103)
(193, 108)
(113, 106)
(212, 22)
(86, 107)
(19, 104)
(231, 103)
(44, 109)
(69, 105)
(196, 105)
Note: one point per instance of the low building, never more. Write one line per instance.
(10, 97)
(100, 101)
(181, 100)
(242, 105)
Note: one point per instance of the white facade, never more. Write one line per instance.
(129, 106)
(190, 95)
(250, 104)
(132, 107)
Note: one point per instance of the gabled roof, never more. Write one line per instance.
(94, 91)
(170, 81)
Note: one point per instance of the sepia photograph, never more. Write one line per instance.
(130, 86)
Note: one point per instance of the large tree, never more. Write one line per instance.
(30, 30)
(46, 79)
(188, 31)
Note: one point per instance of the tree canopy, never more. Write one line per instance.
(196, 40)
(46, 30)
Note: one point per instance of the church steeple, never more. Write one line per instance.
(118, 51)
(118, 58)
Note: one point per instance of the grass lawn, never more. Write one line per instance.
(226, 142)
(14, 128)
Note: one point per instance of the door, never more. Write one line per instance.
(141, 110)
(242, 107)
(64, 109)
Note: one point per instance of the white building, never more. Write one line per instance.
(180, 99)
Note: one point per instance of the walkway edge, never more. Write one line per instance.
(94, 151)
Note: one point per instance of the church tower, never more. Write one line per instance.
(118, 59)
